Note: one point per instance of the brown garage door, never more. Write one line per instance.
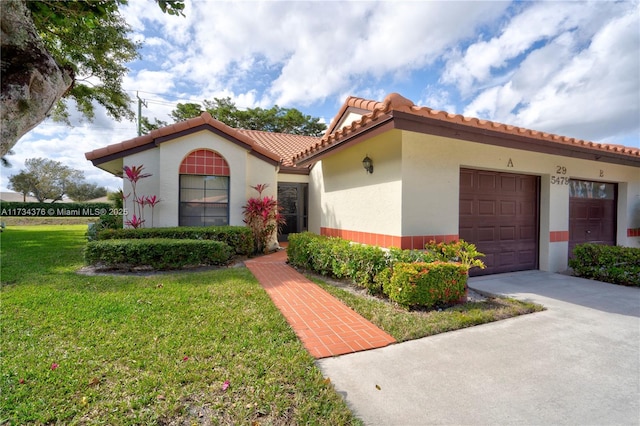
(592, 213)
(499, 214)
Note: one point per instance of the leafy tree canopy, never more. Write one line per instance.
(91, 38)
(51, 180)
(54, 50)
(274, 119)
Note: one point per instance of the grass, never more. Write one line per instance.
(158, 349)
(405, 325)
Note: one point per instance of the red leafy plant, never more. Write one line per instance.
(151, 201)
(135, 222)
(262, 215)
(133, 174)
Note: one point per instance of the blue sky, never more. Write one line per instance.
(571, 68)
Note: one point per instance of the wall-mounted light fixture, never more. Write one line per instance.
(367, 163)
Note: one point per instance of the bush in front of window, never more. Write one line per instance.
(157, 253)
(239, 238)
(612, 264)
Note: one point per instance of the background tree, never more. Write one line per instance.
(23, 183)
(274, 119)
(46, 179)
(83, 191)
(54, 49)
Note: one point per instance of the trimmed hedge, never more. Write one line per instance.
(158, 253)
(333, 256)
(612, 264)
(239, 238)
(438, 283)
(427, 284)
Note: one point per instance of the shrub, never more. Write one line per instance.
(238, 237)
(364, 264)
(396, 255)
(158, 253)
(427, 284)
(374, 268)
(458, 251)
(299, 249)
(338, 258)
(612, 264)
(262, 216)
(104, 222)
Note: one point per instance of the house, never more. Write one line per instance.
(392, 173)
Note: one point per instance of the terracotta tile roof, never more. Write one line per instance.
(172, 131)
(353, 102)
(286, 146)
(290, 150)
(395, 103)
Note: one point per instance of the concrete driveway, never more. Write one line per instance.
(576, 363)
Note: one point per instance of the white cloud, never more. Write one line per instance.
(565, 67)
(585, 90)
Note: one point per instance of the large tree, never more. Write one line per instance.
(84, 191)
(63, 49)
(46, 179)
(274, 119)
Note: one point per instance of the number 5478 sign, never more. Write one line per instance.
(561, 179)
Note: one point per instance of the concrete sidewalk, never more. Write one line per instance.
(578, 362)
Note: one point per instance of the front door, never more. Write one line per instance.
(293, 198)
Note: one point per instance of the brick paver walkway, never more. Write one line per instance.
(325, 325)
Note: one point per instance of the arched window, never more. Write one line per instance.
(204, 189)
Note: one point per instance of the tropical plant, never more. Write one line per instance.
(262, 215)
(457, 251)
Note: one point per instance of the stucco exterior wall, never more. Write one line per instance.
(350, 198)
(293, 178)
(164, 163)
(430, 190)
(413, 193)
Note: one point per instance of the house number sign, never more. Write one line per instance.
(559, 178)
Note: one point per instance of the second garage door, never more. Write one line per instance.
(499, 214)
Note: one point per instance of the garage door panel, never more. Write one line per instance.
(486, 234)
(526, 256)
(486, 182)
(489, 261)
(528, 208)
(487, 207)
(507, 183)
(507, 233)
(527, 233)
(499, 214)
(466, 179)
(466, 207)
(507, 207)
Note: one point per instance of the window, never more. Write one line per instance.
(587, 189)
(204, 189)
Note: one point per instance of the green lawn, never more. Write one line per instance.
(405, 324)
(119, 350)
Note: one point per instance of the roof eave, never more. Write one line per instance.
(434, 126)
(372, 128)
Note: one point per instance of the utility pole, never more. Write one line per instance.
(140, 103)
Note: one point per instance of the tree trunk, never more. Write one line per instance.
(32, 81)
